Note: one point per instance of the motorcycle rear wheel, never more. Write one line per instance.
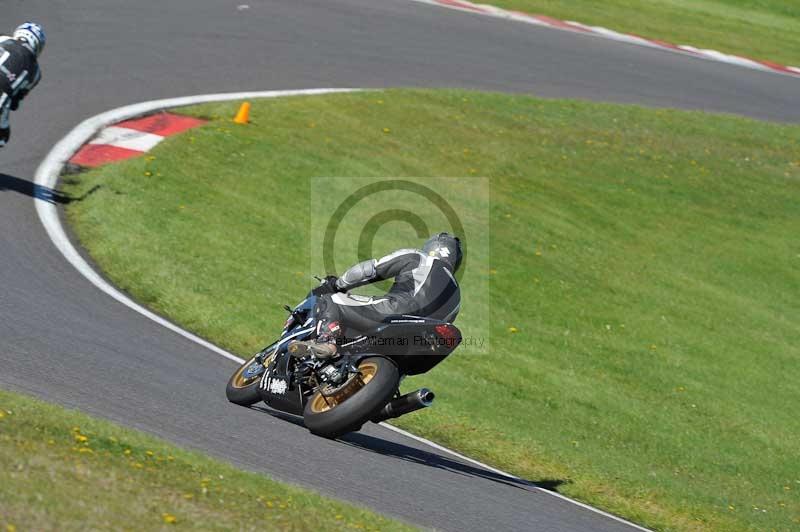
(242, 390)
(355, 402)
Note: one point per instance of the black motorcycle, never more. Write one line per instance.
(359, 384)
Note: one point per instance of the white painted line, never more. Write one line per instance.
(510, 476)
(50, 168)
(130, 139)
(597, 31)
(47, 177)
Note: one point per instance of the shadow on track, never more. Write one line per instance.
(418, 456)
(29, 188)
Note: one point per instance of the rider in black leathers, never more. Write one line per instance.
(19, 70)
(424, 285)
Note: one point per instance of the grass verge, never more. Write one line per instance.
(63, 470)
(644, 279)
(760, 29)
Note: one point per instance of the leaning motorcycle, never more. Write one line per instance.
(359, 384)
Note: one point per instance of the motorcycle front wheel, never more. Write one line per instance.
(242, 387)
(331, 413)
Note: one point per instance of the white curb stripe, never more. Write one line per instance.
(564, 25)
(47, 177)
(130, 139)
(49, 170)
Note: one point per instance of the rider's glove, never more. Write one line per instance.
(5, 134)
(326, 286)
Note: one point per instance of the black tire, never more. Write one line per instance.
(241, 390)
(358, 408)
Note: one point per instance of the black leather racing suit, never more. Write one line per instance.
(19, 74)
(423, 286)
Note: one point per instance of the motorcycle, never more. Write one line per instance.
(358, 384)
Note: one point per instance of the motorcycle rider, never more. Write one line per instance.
(19, 70)
(424, 285)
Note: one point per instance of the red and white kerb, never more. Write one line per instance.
(131, 138)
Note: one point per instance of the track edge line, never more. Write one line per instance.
(46, 178)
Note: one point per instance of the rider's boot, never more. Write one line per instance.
(323, 346)
(321, 350)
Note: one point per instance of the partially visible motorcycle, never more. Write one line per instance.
(359, 384)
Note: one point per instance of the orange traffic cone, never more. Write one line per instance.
(243, 114)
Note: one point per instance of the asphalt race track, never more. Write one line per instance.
(63, 340)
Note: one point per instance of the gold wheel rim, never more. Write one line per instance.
(321, 403)
(240, 381)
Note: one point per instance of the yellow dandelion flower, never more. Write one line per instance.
(169, 518)
(149, 453)
(148, 173)
(188, 496)
(2, 414)
(80, 438)
(85, 450)
(513, 330)
(387, 130)
(127, 451)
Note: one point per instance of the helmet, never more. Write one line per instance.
(32, 36)
(446, 247)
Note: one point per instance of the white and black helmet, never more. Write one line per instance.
(446, 247)
(32, 36)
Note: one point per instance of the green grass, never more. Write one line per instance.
(648, 261)
(63, 470)
(761, 29)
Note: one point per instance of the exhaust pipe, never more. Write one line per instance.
(405, 404)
